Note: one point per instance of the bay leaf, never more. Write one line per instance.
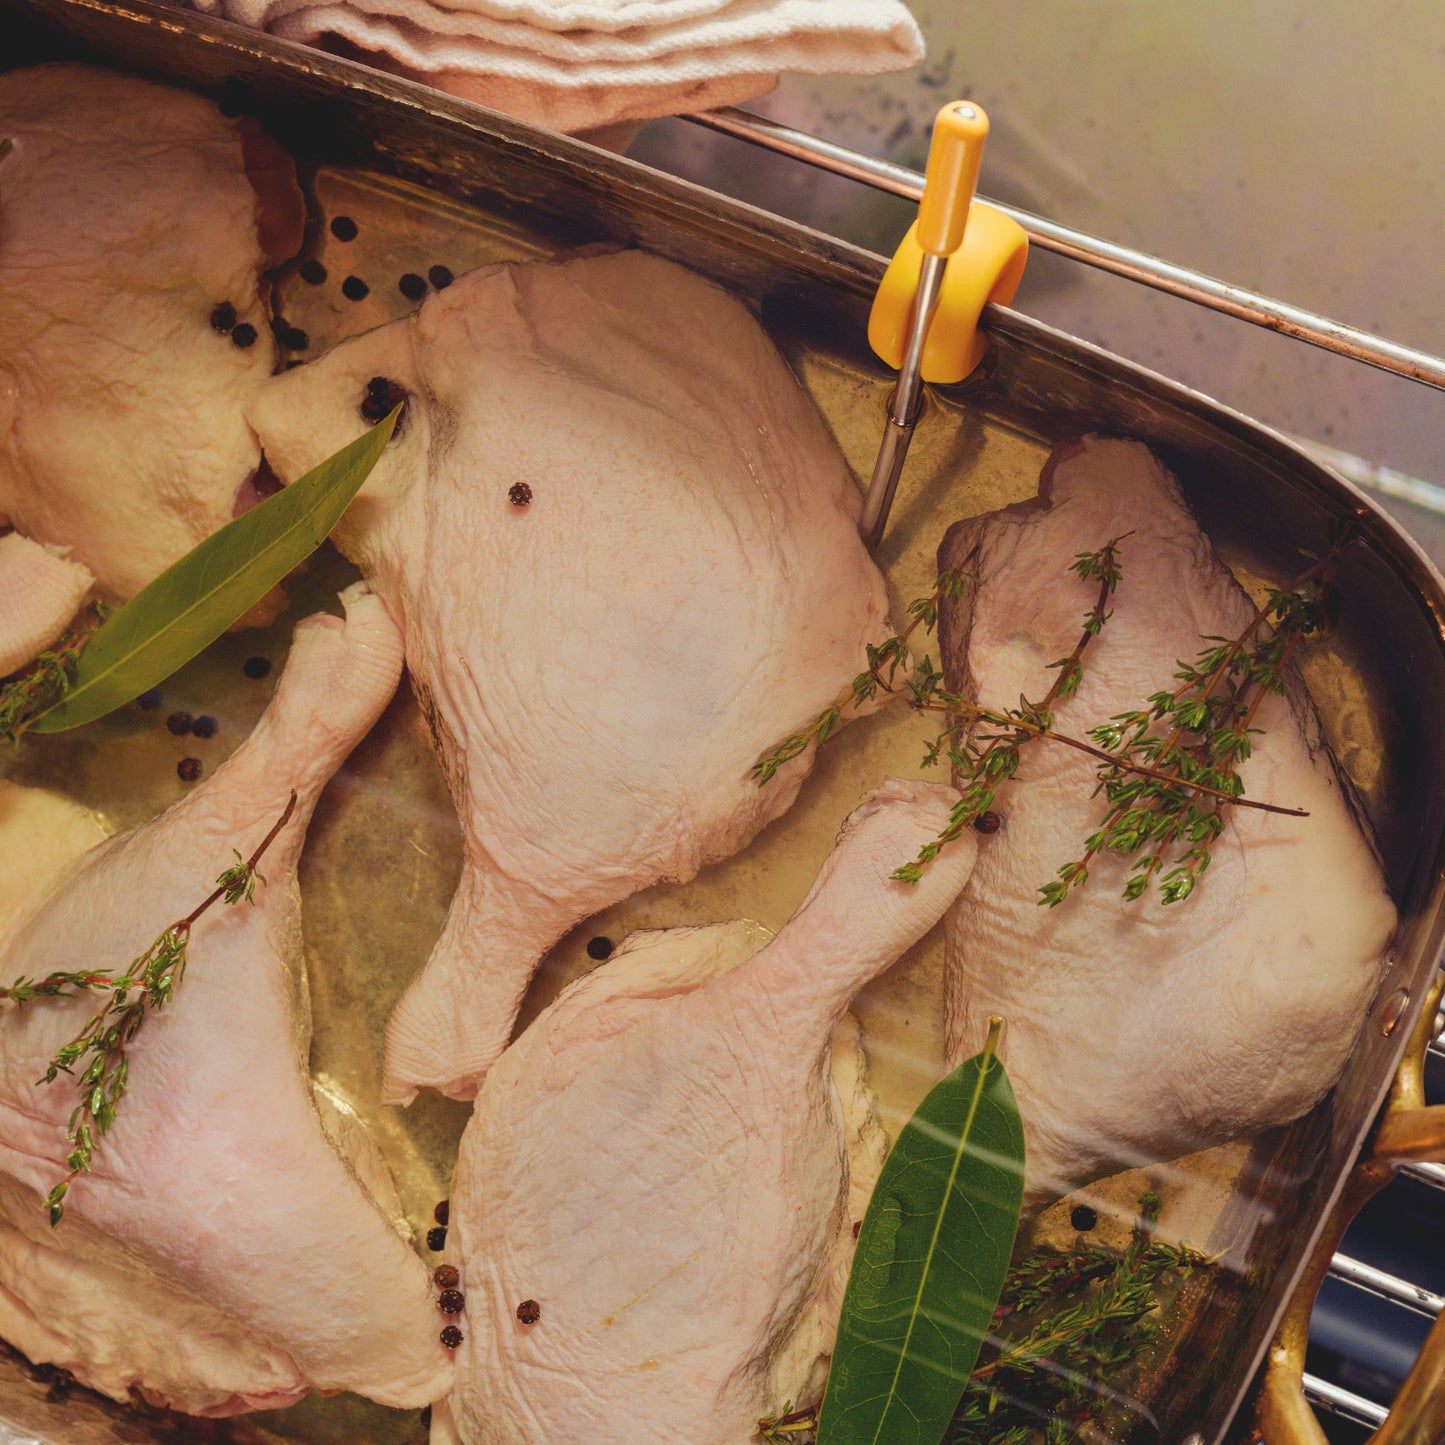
(198, 597)
(932, 1254)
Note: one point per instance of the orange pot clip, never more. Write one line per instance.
(958, 255)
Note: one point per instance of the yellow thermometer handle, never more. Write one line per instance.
(954, 157)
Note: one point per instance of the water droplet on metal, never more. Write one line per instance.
(1394, 1011)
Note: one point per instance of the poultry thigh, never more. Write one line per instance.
(623, 548)
(649, 1198)
(220, 1255)
(135, 223)
(1143, 1030)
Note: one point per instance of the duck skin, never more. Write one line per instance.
(1139, 1031)
(135, 224)
(624, 552)
(649, 1202)
(220, 1256)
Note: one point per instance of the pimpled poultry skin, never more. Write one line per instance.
(220, 1256)
(623, 548)
(1142, 1031)
(129, 212)
(40, 592)
(657, 1165)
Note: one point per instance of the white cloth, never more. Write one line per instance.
(575, 64)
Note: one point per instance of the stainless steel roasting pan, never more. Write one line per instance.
(432, 179)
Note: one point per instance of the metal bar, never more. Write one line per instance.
(1343, 1403)
(1431, 1174)
(1104, 255)
(902, 407)
(1391, 1287)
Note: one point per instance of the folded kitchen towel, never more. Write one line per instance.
(578, 64)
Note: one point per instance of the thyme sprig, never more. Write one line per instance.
(147, 985)
(884, 661)
(1192, 741)
(984, 759)
(1068, 1323)
(984, 745)
(46, 679)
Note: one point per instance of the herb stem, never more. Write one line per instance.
(1125, 764)
(248, 868)
(102, 1045)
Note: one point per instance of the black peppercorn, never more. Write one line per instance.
(1083, 1218)
(149, 701)
(188, 769)
(244, 335)
(450, 1301)
(204, 726)
(256, 666)
(446, 1276)
(293, 338)
(412, 286)
(442, 1212)
(988, 822)
(355, 289)
(452, 1337)
(529, 1312)
(436, 1239)
(440, 277)
(223, 318)
(312, 272)
(381, 395)
(179, 723)
(599, 948)
(344, 228)
(519, 494)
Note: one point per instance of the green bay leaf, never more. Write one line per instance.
(197, 598)
(932, 1254)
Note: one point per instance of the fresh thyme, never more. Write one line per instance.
(884, 661)
(1166, 792)
(986, 747)
(1174, 812)
(147, 985)
(45, 680)
(1068, 1323)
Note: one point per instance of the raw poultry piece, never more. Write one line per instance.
(1139, 1031)
(40, 591)
(220, 1256)
(624, 550)
(135, 223)
(650, 1196)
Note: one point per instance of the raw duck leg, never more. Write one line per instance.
(625, 555)
(40, 592)
(221, 1256)
(135, 224)
(1140, 1031)
(656, 1166)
